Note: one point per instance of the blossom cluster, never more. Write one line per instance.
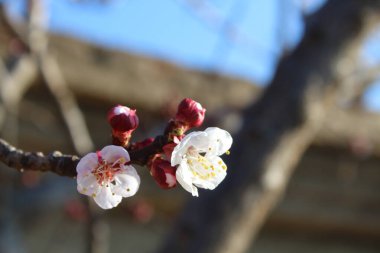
(193, 160)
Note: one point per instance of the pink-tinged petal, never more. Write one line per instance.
(184, 178)
(126, 184)
(87, 184)
(112, 153)
(105, 199)
(87, 163)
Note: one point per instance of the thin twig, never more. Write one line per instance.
(9, 29)
(55, 81)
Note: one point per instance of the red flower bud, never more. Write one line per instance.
(190, 112)
(122, 119)
(164, 174)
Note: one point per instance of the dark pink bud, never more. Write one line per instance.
(122, 119)
(164, 174)
(190, 112)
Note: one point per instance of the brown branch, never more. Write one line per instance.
(56, 162)
(65, 165)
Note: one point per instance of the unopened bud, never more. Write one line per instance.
(122, 119)
(190, 112)
(163, 173)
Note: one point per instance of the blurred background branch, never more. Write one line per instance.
(277, 130)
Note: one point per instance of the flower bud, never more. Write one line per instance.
(122, 119)
(190, 112)
(163, 173)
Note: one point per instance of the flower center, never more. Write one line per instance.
(105, 172)
(200, 166)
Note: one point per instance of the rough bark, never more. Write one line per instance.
(276, 132)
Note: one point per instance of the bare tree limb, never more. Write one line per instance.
(275, 134)
(65, 165)
(73, 116)
(56, 162)
(55, 81)
(356, 84)
(9, 29)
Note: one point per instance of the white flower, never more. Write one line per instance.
(198, 158)
(105, 176)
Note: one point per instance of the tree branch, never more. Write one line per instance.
(56, 162)
(65, 165)
(73, 117)
(276, 132)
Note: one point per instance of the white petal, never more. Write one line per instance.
(197, 139)
(220, 140)
(132, 171)
(105, 199)
(184, 178)
(127, 183)
(112, 153)
(220, 170)
(204, 184)
(87, 163)
(209, 173)
(87, 184)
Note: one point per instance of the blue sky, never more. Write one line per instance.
(237, 37)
